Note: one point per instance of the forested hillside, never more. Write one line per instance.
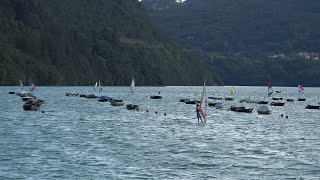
(240, 25)
(246, 71)
(77, 42)
(247, 42)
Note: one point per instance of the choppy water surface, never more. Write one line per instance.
(78, 138)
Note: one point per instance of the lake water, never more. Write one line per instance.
(78, 138)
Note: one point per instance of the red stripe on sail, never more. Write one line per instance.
(203, 115)
(202, 102)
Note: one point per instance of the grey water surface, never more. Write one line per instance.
(78, 138)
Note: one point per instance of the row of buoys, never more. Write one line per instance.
(283, 116)
(73, 94)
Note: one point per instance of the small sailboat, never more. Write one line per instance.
(290, 100)
(24, 93)
(203, 102)
(219, 105)
(277, 103)
(21, 89)
(312, 106)
(91, 96)
(301, 91)
(270, 90)
(156, 96)
(230, 98)
(301, 99)
(132, 85)
(132, 106)
(241, 108)
(21, 86)
(104, 99)
(32, 104)
(232, 90)
(264, 110)
(32, 87)
(97, 87)
(116, 102)
(184, 100)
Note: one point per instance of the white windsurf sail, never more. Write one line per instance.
(203, 107)
(132, 85)
(21, 85)
(32, 87)
(96, 86)
(99, 87)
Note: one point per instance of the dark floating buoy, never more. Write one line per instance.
(281, 115)
(147, 110)
(42, 111)
(156, 112)
(287, 117)
(165, 114)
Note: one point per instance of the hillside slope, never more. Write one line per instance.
(241, 25)
(247, 42)
(77, 42)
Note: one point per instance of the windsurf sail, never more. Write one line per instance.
(32, 87)
(132, 85)
(270, 90)
(21, 85)
(100, 88)
(232, 90)
(300, 89)
(97, 87)
(203, 107)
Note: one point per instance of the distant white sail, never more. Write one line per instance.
(95, 86)
(32, 87)
(99, 87)
(132, 85)
(21, 85)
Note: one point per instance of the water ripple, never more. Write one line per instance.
(78, 138)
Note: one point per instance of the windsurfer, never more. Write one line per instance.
(198, 113)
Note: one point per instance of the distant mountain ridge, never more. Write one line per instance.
(247, 42)
(77, 42)
(241, 25)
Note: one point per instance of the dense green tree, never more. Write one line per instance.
(77, 42)
(241, 25)
(236, 37)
